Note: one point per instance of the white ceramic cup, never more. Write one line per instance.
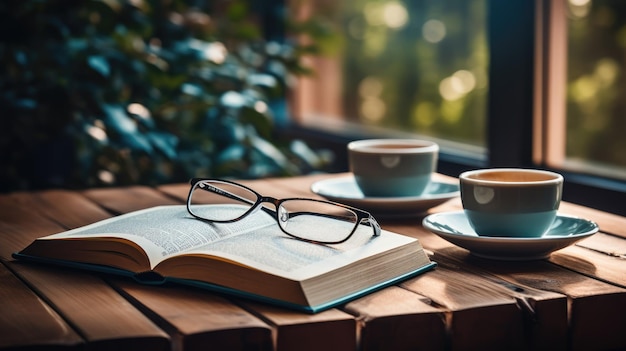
(392, 167)
(511, 202)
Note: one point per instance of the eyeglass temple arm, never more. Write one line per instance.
(207, 187)
(374, 224)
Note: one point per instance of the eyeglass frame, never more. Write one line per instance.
(363, 217)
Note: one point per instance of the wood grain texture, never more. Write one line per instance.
(574, 300)
(28, 322)
(601, 263)
(548, 310)
(608, 222)
(85, 300)
(127, 199)
(398, 319)
(20, 223)
(474, 305)
(328, 330)
(292, 324)
(199, 320)
(79, 298)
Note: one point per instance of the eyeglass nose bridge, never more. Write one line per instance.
(262, 199)
(274, 201)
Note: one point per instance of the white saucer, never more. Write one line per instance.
(455, 228)
(344, 190)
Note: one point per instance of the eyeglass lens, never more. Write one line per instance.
(316, 221)
(233, 200)
(303, 218)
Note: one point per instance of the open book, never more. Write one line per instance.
(251, 258)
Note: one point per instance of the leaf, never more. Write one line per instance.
(164, 142)
(118, 120)
(262, 80)
(124, 129)
(304, 152)
(233, 99)
(99, 64)
(137, 143)
(192, 89)
(270, 152)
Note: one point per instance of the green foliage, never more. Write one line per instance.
(116, 92)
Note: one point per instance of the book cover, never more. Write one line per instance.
(251, 258)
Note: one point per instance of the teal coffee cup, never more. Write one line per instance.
(511, 202)
(392, 167)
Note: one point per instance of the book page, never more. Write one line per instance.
(255, 241)
(166, 231)
(270, 250)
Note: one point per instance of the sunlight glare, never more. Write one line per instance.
(457, 85)
(106, 177)
(216, 52)
(466, 79)
(579, 2)
(579, 8)
(395, 15)
(261, 107)
(434, 31)
(370, 87)
(373, 109)
(373, 14)
(424, 114)
(97, 133)
(139, 110)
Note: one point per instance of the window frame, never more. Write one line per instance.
(525, 120)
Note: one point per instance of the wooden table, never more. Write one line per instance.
(574, 300)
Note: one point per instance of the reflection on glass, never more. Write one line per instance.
(410, 66)
(596, 107)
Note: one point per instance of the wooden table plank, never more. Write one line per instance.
(65, 289)
(546, 309)
(469, 299)
(465, 313)
(293, 330)
(609, 299)
(20, 224)
(197, 319)
(328, 330)
(594, 263)
(573, 300)
(608, 222)
(28, 322)
(68, 208)
(398, 319)
(608, 251)
(127, 199)
(79, 298)
(232, 332)
(176, 191)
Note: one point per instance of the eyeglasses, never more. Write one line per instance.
(222, 201)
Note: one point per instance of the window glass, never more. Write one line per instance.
(596, 87)
(410, 66)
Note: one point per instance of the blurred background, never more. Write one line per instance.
(116, 92)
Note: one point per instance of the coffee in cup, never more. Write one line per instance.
(392, 167)
(511, 202)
